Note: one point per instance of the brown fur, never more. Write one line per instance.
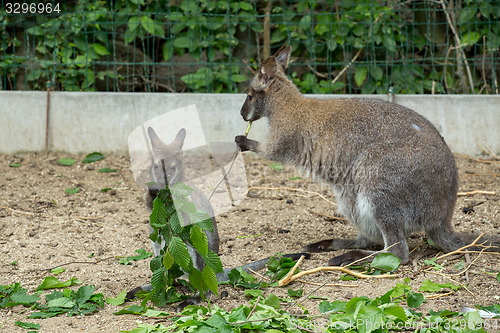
(390, 169)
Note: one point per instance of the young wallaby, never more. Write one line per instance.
(390, 169)
(167, 168)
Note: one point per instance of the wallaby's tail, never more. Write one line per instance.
(449, 240)
(256, 265)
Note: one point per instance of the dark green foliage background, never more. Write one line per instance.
(404, 47)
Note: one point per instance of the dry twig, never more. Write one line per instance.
(463, 194)
(338, 269)
(462, 248)
(17, 211)
(291, 189)
(328, 284)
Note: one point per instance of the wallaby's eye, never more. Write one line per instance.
(249, 97)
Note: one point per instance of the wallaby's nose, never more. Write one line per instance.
(245, 114)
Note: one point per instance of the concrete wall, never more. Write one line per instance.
(86, 122)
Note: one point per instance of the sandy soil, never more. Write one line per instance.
(42, 227)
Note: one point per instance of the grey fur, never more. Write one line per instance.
(390, 169)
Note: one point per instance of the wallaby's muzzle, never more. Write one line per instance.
(248, 112)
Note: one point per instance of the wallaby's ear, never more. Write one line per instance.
(267, 71)
(155, 140)
(283, 56)
(179, 138)
(272, 65)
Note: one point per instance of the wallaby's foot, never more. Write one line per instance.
(245, 143)
(131, 294)
(339, 244)
(349, 257)
(195, 300)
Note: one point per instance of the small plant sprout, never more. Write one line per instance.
(248, 128)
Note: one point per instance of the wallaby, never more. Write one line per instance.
(167, 163)
(391, 171)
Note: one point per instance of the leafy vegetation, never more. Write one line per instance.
(177, 221)
(141, 254)
(203, 46)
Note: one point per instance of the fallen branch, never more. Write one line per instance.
(328, 284)
(463, 194)
(476, 159)
(328, 216)
(438, 295)
(77, 262)
(17, 211)
(253, 309)
(284, 282)
(291, 189)
(462, 248)
(290, 273)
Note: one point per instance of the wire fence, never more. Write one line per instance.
(348, 47)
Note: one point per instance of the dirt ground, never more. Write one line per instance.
(42, 227)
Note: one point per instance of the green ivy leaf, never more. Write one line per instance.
(148, 24)
(360, 74)
(57, 270)
(179, 252)
(386, 261)
(158, 279)
(83, 294)
(26, 325)
(66, 161)
(119, 300)
(100, 49)
(181, 190)
(414, 300)
(471, 38)
(168, 50)
(62, 302)
(93, 157)
(20, 297)
(273, 301)
(253, 292)
(182, 42)
(133, 23)
(168, 260)
(295, 293)
(106, 170)
(199, 240)
(51, 282)
(213, 260)
(430, 286)
(276, 166)
(155, 263)
(210, 279)
(72, 190)
(158, 217)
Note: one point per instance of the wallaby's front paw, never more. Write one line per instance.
(245, 143)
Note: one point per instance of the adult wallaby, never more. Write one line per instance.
(167, 163)
(390, 169)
